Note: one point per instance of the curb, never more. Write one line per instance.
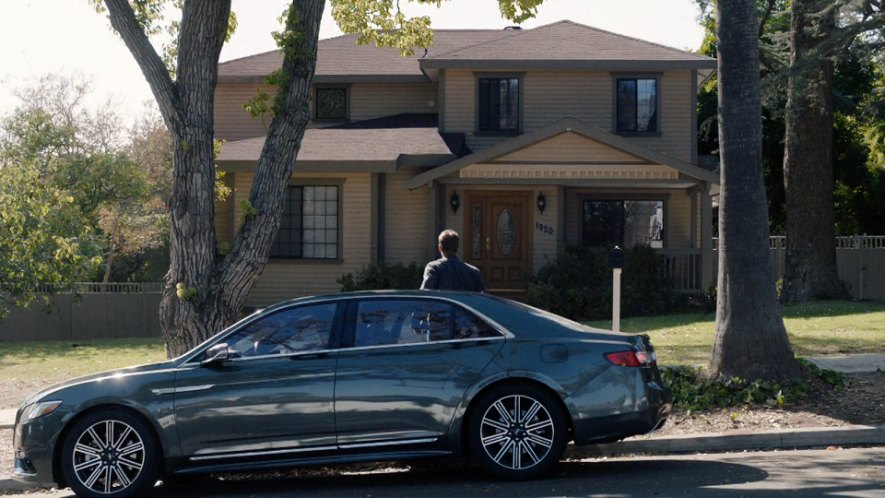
(851, 435)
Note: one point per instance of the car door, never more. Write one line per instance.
(406, 365)
(272, 399)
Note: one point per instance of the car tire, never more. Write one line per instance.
(110, 453)
(517, 432)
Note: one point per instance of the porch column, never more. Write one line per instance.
(433, 203)
(708, 279)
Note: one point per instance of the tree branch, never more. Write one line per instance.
(164, 89)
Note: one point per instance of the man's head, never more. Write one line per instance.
(448, 242)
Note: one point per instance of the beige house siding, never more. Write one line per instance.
(369, 101)
(408, 220)
(286, 279)
(232, 122)
(677, 221)
(570, 148)
(586, 95)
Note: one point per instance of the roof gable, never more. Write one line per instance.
(569, 126)
(572, 148)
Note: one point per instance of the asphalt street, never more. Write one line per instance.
(858, 472)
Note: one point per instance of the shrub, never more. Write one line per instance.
(578, 284)
(383, 276)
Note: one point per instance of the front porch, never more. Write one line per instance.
(520, 203)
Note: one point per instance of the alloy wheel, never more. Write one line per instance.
(517, 432)
(108, 456)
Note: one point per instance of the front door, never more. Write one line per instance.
(497, 238)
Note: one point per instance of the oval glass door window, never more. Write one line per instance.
(506, 232)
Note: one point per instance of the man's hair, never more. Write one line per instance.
(448, 241)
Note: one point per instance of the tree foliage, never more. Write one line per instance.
(79, 161)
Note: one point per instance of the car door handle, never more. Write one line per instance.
(310, 356)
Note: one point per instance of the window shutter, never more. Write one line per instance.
(484, 120)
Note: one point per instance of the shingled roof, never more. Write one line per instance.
(563, 44)
(567, 43)
(341, 57)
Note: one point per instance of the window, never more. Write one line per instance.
(624, 223)
(402, 321)
(309, 224)
(295, 330)
(468, 326)
(637, 105)
(498, 104)
(331, 103)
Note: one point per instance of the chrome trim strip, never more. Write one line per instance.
(177, 390)
(314, 448)
(262, 453)
(412, 344)
(387, 443)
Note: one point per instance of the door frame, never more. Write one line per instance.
(484, 197)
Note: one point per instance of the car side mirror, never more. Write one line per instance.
(217, 355)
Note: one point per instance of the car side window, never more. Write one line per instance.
(293, 330)
(402, 321)
(469, 326)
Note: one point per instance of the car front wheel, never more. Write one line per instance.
(517, 432)
(110, 453)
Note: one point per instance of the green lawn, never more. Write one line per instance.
(823, 327)
(47, 362)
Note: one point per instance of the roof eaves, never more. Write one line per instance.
(616, 65)
(564, 125)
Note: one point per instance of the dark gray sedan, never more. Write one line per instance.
(349, 378)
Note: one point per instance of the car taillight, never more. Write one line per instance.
(631, 358)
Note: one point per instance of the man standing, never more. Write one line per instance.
(449, 272)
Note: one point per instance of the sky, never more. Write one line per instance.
(69, 37)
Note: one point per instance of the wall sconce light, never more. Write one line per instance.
(542, 202)
(455, 202)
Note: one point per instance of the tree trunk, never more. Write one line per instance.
(205, 291)
(810, 271)
(751, 341)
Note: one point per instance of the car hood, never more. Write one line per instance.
(121, 372)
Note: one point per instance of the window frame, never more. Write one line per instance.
(316, 101)
(339, 183)
(626, 196)
(617, 77)
(349, 335)
(520, 77)
(335, 336)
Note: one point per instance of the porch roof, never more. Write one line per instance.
(353, 149)
(567, 125)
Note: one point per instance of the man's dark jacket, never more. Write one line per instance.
(450, 273)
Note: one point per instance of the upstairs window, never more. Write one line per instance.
(498, 104)
(637, 105)
(623, 223)
(309, 224)
(331, 104)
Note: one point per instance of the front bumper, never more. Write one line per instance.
(33, 443)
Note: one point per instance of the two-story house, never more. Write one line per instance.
(524, 141)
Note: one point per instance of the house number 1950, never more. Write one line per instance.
(544, 228)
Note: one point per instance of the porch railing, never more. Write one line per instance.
(683, 269)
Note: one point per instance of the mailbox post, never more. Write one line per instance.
(616, 263)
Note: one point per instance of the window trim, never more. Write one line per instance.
(637, 76)
(319, 182)
(349, 333)
(520, 107)
(626, 196)
(315, 99)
